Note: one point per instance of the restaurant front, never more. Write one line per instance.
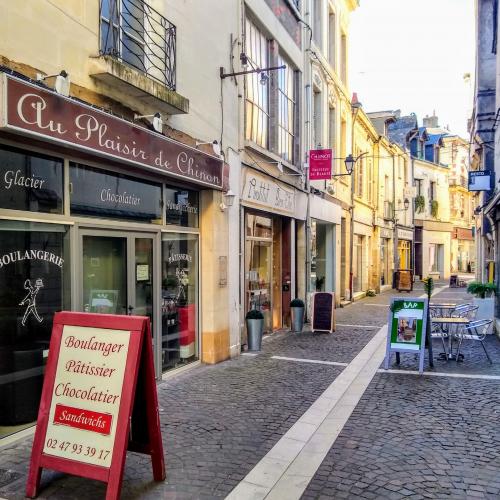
(97, 215)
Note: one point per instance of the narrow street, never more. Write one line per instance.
(296, 421)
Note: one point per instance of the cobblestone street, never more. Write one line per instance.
(409, 436)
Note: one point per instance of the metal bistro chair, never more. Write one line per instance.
(437, 331)
(476, 330)
(462, 311)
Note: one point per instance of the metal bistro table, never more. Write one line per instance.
(442, 322)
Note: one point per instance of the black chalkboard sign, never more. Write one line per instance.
(323, 306)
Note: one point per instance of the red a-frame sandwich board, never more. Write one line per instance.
(137, 426)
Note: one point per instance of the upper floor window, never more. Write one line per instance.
(317, 118)
(432, 191)
(418, 185)
(317, 21)
(332, 42)
(139, 36)
(257, 88)
(343, 58)
(286, 110)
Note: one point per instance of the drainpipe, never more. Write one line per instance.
(413, 217)
(351, 236)
(394, 214)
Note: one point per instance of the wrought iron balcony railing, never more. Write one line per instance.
(138, 35)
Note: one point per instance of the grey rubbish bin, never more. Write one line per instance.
(297, 308)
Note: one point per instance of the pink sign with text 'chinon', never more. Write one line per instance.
(320, 164)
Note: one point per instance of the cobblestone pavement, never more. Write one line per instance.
(421, 437)
(216, 422)
(409, 435)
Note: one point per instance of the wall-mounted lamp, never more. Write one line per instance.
(215, 146)
(229, 197)
(62, 83)
(227, 200)
(350, 162)
(157, 121)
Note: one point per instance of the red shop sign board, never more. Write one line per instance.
(98, 400)
(320, 164)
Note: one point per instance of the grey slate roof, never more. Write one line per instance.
(399, 130)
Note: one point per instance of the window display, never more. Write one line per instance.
(34, 272)
(182, 207)
(30, 181)
(179, 307)
(100, 193)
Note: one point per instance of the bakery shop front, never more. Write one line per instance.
(98, 215)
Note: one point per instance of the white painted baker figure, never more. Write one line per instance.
(30, 300)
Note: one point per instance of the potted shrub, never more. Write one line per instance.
(255, 327)
(484, 298)
(297, 307)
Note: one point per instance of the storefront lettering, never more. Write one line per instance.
(186, 164)
(90, 125)
(39, 105)
(176, 257)
(20, 255)
(182, 207)
(46, 114)
(270, 194)
(260, 193)
(12, 178)
(124, 198)
(284, 199)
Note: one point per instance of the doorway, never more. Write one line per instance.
(117, 273)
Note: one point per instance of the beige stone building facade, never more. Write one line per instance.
(113, 193)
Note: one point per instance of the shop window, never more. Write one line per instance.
(182, 207)
(179, 326)
(358, 255)
(99, 193)
(30, 181)
(258, 266)
(259, 227)
(34, 273)
(384, 261)
(321, 257)
(404, 254)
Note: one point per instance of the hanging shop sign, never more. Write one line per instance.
(405, 234)
(323, 312)
(480, 180)
(406, 328)
(98, 400)
(263, 191)
(35, 111)
(320, 164)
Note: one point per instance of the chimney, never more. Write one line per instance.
(431, 121)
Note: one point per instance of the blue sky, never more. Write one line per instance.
(412, 55)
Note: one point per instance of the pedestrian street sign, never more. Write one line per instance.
(406, 328)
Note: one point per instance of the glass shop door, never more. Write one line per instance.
(118, 273)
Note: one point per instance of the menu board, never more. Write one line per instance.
(87, 394)
(323, 312)
(404, 280)
(406, 328)
(98, 365)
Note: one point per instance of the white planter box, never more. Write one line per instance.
(486, 307)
